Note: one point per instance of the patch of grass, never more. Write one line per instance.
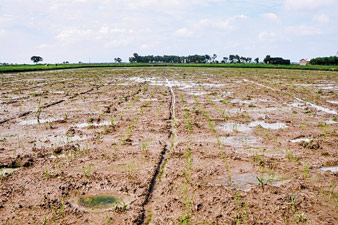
(306, 171)
(88, 170)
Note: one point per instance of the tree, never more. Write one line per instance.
(238, 58)
(36, 59)
(214, 56)
(118, 60)
(257, 60)
(276, 60)
(231, 58)
(267, 59)
(242, 59)
(225, 59)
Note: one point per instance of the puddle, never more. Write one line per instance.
(240, 141)
(230, 127)
(319, 108)
(320, 86)
(258, 84)
(65, 139)
(179, 84)
(297, 140)
(58, 92)
(298, 105)
(148, 99)
(333, 169)
(330, 121)
(198, 93)
(35, 121)
(256, 110)
(98, 201)
(247, 181)
(272, 126)
(83, 125)
(6, 171)
(244, 182)
(333, 102)
(248, 102)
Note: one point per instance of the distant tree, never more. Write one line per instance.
(118, 60)
(225, 59)
(238, 59)
(214, 56)
(332, 60)
(232, 58)
(267, 59)
(207, 58)
(257, 60)
(36, 59)
(276, 60)
(242, 59)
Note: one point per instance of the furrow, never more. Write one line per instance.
(162, 157)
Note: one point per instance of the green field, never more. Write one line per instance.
(23, 68)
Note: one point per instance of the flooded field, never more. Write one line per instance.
(169, 146)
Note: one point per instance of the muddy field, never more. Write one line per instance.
(169, 146)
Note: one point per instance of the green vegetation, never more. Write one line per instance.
(332, 60)
(24, 68)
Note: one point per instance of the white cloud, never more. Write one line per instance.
(305, 4)
(163, 4)
(3, 32)
(303, 30)
(44, 45)
(321, 18)
(75, 34)
(184, 32)
(120, 42)
(266, 36)
(270, 16)
(109, 30)
(148, 45)
(227, 24)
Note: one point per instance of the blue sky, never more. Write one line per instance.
(79, 30)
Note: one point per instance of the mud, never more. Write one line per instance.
(169, 146)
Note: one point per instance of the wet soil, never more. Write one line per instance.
(169, 146)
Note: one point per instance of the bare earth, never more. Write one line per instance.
(172, 145)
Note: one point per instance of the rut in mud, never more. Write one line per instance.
(163, 152)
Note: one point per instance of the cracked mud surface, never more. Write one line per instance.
(172, 145)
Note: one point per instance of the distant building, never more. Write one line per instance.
(304, 62)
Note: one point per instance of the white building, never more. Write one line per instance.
(304, 62)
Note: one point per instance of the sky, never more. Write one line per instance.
(99, 31)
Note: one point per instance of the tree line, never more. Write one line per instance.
(171, 59)
(136, 58)
(332, 60)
